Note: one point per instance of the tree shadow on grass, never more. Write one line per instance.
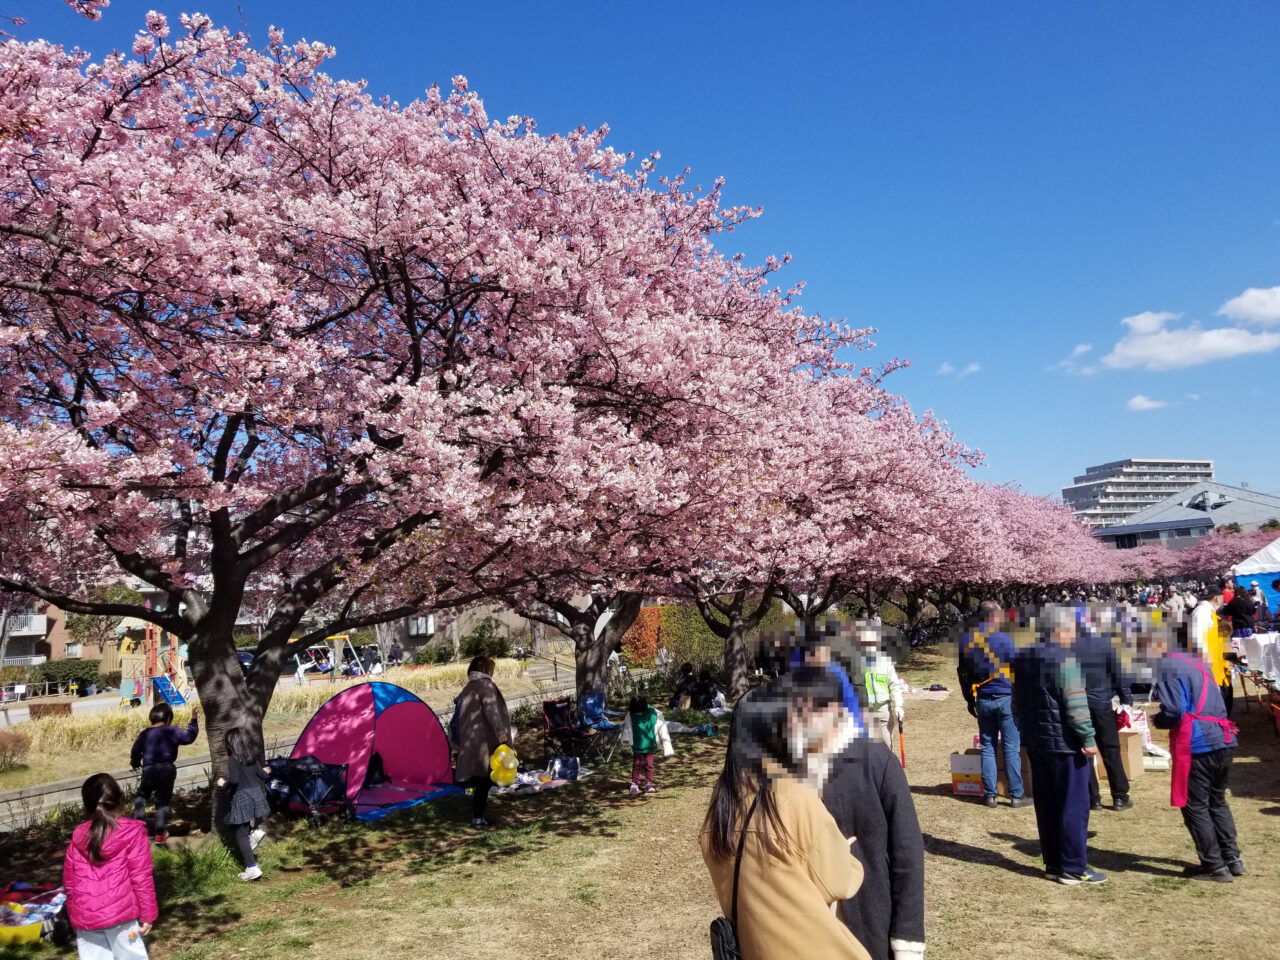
(1105, 860)
(439, 835)
(967, 853)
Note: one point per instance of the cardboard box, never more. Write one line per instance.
(1130, 755)
(971, 762)
(966, 775)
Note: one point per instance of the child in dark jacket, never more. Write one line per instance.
(111, 897)
(156, 751)
(247, 776)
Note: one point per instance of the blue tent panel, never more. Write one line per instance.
(389, 694)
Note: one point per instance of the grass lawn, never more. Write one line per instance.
(588, 871)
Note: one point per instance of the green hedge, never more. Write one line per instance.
(65, 671)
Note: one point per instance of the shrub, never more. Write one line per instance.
(484, 640)
(13, 748)
(66, 671)
(640, 642)
(432, 653)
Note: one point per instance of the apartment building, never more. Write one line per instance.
(1108, 494)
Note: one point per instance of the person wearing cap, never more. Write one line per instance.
(1261, 607)
(883, 687)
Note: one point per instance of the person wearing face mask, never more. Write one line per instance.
(777, 858)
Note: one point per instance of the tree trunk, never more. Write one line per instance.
(591, 652)
(737, 659)
(225, 698)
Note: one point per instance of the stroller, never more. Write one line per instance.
(308, 784)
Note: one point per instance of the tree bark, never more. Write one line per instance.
(590, 651)
(733, 628)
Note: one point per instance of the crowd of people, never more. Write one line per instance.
(811, 838)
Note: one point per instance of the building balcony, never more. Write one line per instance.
(28, 625)
(24, 661)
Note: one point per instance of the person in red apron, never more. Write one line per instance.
(1202, 742)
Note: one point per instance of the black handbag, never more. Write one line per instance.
(724, 931)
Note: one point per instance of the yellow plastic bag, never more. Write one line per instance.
(503, 765)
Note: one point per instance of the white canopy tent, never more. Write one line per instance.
(1263, 566)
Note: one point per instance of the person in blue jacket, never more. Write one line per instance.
(986, 680)
(1203, 743)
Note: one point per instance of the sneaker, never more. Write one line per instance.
(635, 790)
(479, 822)
(1089, 876)
(253, 873)
(1051, 875)
(255, 838)
(1018, 802)
(990, 800)
(162, 836)
(1221, 875)
(1236, 867)
(1121, 803)
(650, 788)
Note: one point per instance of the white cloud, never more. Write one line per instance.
(971, 368)
(1070, 364)
(1141, 402)
(946, 368)
(1151, 345)
(1255, 305)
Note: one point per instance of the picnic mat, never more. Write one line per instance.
(521, 788)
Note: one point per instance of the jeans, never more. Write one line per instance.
(1107, 738)
(1061, 782)
(121, 942)
(1206, 814)
(995, 716)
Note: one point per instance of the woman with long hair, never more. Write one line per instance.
(795, 864)
(111, 897)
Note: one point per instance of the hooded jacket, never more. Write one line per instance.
(120, 889)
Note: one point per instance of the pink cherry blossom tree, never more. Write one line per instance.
(263, 337)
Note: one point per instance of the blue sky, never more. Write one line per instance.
(993, 186)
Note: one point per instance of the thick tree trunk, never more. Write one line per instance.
(225, 698)
(737, 658)
(591, 652)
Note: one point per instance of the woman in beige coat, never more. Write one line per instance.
(796, 865)
(483, 724)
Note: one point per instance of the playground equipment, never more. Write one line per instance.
(153, 669)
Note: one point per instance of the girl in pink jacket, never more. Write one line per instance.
(111, 896)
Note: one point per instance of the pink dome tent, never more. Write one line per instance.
(387, 720)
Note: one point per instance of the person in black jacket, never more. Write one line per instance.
(686, 685)
(1103, 678)
(868, 795)
(1241, 610)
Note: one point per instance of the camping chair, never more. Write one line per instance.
(566, 737)
(595, 715)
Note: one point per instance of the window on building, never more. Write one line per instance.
(74, 651)
(1182, 532)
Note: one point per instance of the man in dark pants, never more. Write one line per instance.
(1100, 665)
(1202, 742)
(868, 795)
(1053, 715)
